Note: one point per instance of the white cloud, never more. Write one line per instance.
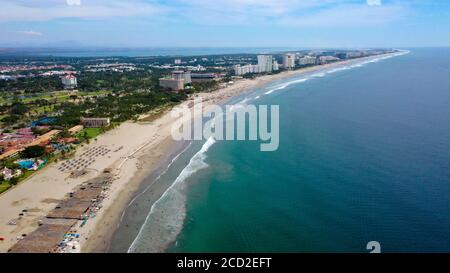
(291, 13)
(347, 15)
(44, 10)
(252, 7)
(374, 2)
(30, 33)
(295, 13)
(73, 2)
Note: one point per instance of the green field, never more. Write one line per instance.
(60, 96)
(4, 186)
(91, 132)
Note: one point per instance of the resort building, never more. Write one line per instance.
(177, 80)
(307, 60)
(9, 153)
(172, 84)
(275, 65)
(18, 146)
(203, 77)
(352, 55)
(327, 59)
(69, 81)
(185, 75)
(265, 63)
(95, 122)
(75, 129)
(289, 60)
(239, 70)
(245, 69)
(43, 139)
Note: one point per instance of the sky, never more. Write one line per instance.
(225, 23)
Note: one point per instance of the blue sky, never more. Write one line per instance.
(226, 23)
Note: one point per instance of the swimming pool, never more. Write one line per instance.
(29, 163)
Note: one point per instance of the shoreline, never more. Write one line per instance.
(253, 83)
(146, 148)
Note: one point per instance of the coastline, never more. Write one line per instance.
(146, 148)
(254, 83)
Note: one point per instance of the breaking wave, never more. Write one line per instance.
(284, 85)
(334, 70)
(166, 216)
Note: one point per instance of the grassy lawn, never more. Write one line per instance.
(42, 109)
(4, 186)
(91, 132)
(96, 93)
(60, 96)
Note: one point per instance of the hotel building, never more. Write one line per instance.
(289, 60)
(265, 63)
(177, 80)
(185, 75)
(275, 65)
(172, 84)
(245, 69)
(327, 59)
(307, 60)
(69, 81)
(95, 122)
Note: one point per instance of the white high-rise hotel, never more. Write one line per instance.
(69, 81)
(265, 63)
(289, 60)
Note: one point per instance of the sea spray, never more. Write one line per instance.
(165, 219)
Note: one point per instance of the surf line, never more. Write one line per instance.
(196, 163)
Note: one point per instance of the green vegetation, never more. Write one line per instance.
(32, 85)
(89, 133)
(203, 86)
(118, 95)
(33, 151)
(117, 106)
(4, 186)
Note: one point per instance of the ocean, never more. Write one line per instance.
(364, 155)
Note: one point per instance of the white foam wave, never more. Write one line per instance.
(323, 74)
(168, 212)
(285, 85)
(357, 65)
(156, 179)
(318, 75)
(244, 101)
(275, 89)
(338, 69)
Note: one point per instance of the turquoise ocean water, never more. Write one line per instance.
(364, 155)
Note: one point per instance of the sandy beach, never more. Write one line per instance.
(137, 150)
